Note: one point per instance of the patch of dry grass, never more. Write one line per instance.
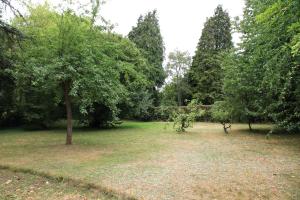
(150, 162)
(17, 185)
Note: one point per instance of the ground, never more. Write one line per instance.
(150, 161)
(16, 185)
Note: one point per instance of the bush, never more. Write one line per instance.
(221, 113)
(100, 116)
(185, 117)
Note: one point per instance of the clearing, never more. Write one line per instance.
(150, 161)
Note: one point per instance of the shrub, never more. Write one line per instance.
(221, 112)
(185, 117)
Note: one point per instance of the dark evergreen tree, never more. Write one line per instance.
(205, 74)
(9, 37)
(147, 37)
(8, 107)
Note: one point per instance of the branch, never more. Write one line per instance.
(8, 29)
(13, 9)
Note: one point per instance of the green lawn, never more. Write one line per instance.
(151, 161)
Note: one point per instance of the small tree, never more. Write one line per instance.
(240, 88)
(185, 117)
(221, 113)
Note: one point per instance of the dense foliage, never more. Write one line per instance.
(176, 68)
(147, 37)
(9, 37)
(64, 65)
(185, 117)
(262, 77)
(68, 60)
(205, 75)
(222, 113)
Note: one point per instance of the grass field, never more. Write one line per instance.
(150, 161)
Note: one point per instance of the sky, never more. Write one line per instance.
(181, 21)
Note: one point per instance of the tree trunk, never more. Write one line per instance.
(179, 98)
(249, 124)
(225, 129)
(69, 113)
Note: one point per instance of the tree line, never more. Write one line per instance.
(69, 66)
(63, 64)
(258, 79)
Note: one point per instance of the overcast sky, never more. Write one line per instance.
(181, 21)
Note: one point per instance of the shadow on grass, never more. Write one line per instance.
(60, 128)
(264, 131)
(256, 131)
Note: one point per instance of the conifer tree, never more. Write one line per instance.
(147, 37)
(205, 75)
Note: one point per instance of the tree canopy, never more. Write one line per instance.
(77, 63)
(262, 77)
(147, 37)
(176, 68)
(205, 75)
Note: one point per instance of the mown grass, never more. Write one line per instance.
(131, 141)
(150, 161)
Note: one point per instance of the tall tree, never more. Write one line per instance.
(271, 32)
(67, 60)
(241, 89)
(147, 37)
(70, 56)
(205, 74)
(177, 67)
(263, 76)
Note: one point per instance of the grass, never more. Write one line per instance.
(149, 161)
(17, 185)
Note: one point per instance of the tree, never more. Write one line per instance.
(241, 88)
(8, 108)
(205, 75)
(266, 81)
(169, 95)
(147, 37)
(67, 54)
(9, 38)
(176, 68)
(278, 25)
(185, 117)
(136, 100)
(6, 28)
(222, 113)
